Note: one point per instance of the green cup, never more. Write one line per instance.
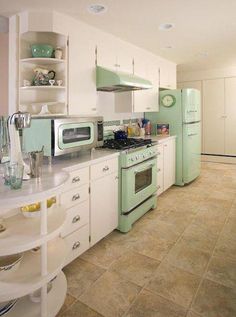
(16, 175)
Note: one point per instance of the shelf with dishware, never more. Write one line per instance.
(29, 306)
(27, 271)
(43, 71)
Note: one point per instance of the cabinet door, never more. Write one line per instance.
(160, 169)
(167, 74)
(213, 116)
(147, 100)
(82, 75)
(104, 207)
(230, 116)
(169, 163)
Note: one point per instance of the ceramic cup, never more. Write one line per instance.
(59, 82)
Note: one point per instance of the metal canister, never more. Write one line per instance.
(36, 162)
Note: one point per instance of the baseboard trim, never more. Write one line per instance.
(218, 159)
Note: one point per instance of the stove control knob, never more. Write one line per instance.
(144, 155)
(131, 159)
(137, 157)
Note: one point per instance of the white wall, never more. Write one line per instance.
(3, 73)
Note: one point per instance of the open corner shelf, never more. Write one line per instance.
(28, 276)
(56, 297)
(42, 61)
(23, 234)
(41, 87)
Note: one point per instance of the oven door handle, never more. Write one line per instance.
(144, 169)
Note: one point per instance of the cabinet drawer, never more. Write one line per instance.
(77, 243)
(104, 168)
(78, 177)
(75, 196)
(76, 217)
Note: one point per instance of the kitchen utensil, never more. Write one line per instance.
(42, 76)
(120, 134)
(5, 307)
(9, 264)
(16, 175)
(58, 53)
(42, 50)
(36, 162)
(4, 140)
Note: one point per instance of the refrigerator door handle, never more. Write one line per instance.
(192, 134)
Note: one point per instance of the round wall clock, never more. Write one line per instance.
(168, 100)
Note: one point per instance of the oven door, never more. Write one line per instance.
(74, 135)
(138, 183)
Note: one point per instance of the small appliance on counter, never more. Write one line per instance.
(63, 135)
(137, 178)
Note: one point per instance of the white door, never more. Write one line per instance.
(104, 207)
(160, 169)
(213, 116)
(169, 163)
(230, 116)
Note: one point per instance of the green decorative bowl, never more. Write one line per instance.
(42, 50)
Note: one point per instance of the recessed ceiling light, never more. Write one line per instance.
(167, 47)
(166, 26)
(97, 8)
(203, 54)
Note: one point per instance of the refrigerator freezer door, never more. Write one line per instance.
(191, 151)
(191, 105)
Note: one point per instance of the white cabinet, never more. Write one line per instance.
(104, 203)
(166, 153)
(213, 116)
(82, 74)
(167, 74)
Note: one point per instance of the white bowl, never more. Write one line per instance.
(35, 108)
(9, 264)
(57, 108)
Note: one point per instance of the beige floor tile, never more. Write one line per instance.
(223, 271)
(104, 253)
(174, 284)
(80, 275)
(149, 304)
(213, 225)
(80, 310)
(135, 267)
(200, 237)
(215, 300)
(223, 195)
(153, 248)
(187, 258)
(70, 300)
(226, 248)
(111, 295)
(229, 229)
(192, 314)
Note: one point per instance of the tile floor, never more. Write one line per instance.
(179, 260)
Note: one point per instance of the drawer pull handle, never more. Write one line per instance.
(76, 219)
(76, 179)
(158, 170)
(106, 168)
(76, 245)
(75, 197)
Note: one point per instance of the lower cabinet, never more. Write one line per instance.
(103, 207)
(166, 152)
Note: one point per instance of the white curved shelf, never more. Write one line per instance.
(27, 278)
(33, 190)
(42, 87)
(42, 60)
(26, 308)
(23, 234)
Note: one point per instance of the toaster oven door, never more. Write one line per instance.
(75, 135)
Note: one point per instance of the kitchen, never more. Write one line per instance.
(172, 255)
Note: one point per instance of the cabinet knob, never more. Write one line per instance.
(76, 219)
(116, 65)
(148, 108)
(76, 179)
(76, 197)
(158, 170)
(105, 169)
(158, 187)
(94, 109)
(158, 153)
(76, 245)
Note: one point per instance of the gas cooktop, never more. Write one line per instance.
(124, 144)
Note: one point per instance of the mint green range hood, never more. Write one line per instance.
(117, 81)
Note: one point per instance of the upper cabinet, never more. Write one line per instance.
(167, 74)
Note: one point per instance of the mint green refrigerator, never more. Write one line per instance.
(181, 109)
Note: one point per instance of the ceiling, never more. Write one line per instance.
(203, 36)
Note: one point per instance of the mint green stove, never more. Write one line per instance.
(137, 181)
